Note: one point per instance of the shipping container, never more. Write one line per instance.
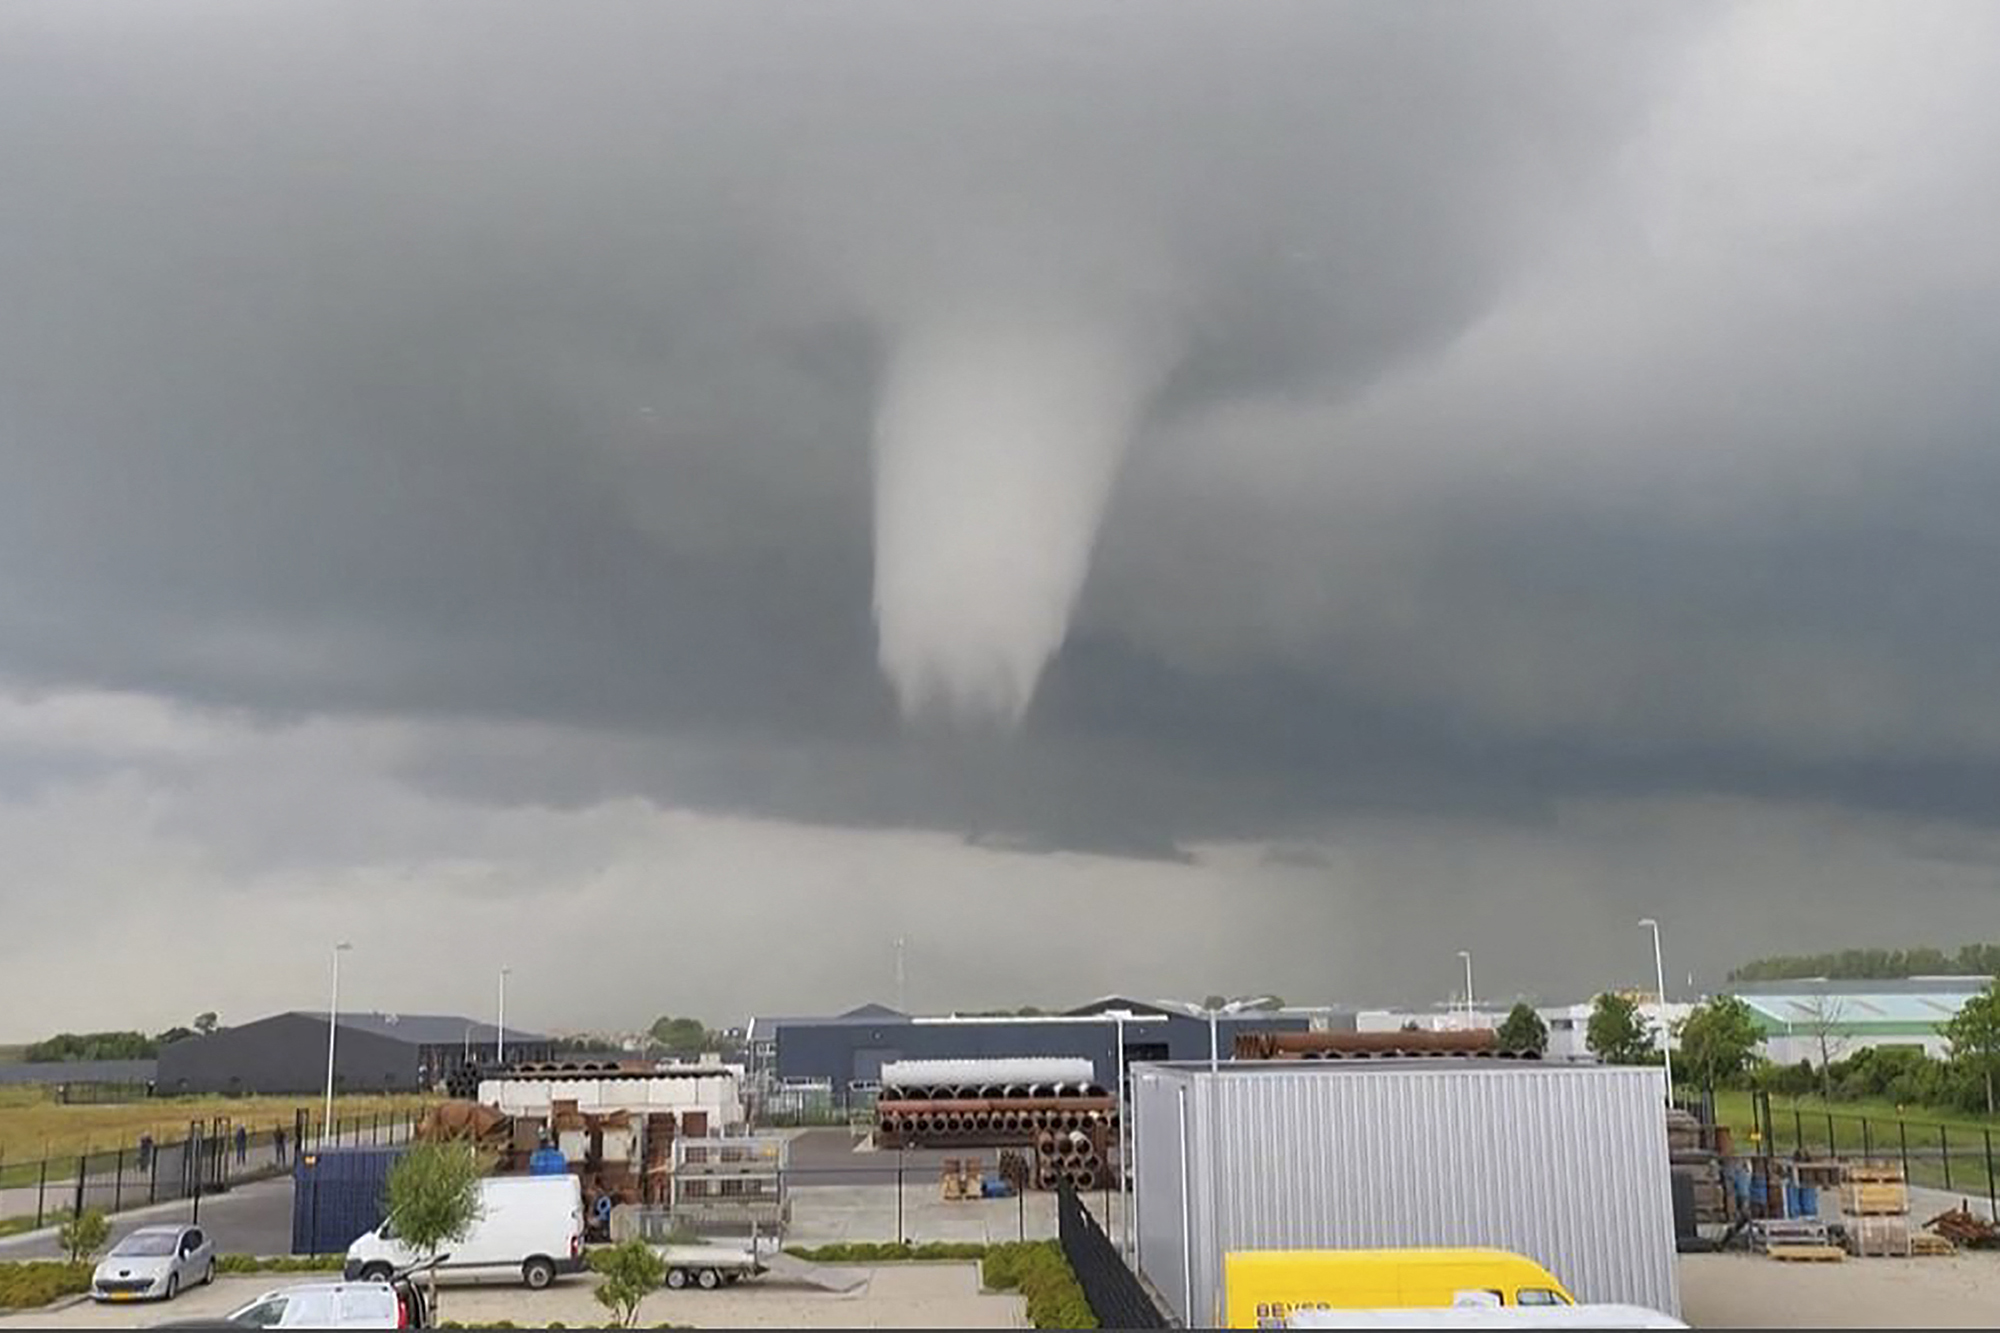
(1566, 1165)
(337, 1196)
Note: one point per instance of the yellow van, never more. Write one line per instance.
(1262, 1287)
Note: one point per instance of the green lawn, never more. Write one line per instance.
(1943, 1149)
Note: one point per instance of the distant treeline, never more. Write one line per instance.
(72, 1046)
(1875, 964)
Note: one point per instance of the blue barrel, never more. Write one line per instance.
(1792, 1208)
(547, 1162)
(1808, 1201)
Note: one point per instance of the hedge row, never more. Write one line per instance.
(285, 1263)
(889, 1252)
(24, 1286)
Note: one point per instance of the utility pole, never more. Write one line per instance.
(1660, 979)
(902, 1003)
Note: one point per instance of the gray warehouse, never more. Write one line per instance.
(1565, 1164)
(372, 1053)
(847, 1051)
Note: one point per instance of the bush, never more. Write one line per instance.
(631, 1271)
(26, 1286)
(83, 1236)
(1040, 1272)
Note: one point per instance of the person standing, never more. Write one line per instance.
(278, 1143)
(242, 1146)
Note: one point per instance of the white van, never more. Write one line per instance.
(530, 1228)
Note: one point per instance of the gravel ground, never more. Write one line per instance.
(1748, 1291)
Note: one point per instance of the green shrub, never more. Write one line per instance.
(26, 1286)
(1038, 1270)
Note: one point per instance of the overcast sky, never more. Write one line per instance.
(1161, 498)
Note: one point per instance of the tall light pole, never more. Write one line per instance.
(902, 1001)
(332, 1025)
(1660, 977)
(1231, 1007)
(1466, 954)
(500, 1028)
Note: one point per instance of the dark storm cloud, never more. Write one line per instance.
(1504, 429)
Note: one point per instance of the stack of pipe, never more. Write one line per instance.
(1474, 1043)
(982, 1103)
(1071, 1157)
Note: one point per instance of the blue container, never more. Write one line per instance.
(547, 1162)
(337, 1196)
(1808, 1201)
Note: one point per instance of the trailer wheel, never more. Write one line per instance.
(708, 1279)
(677, 1278)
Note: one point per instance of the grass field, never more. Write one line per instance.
(1943, 1149)
(33, 1126)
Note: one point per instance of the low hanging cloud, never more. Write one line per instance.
(1049, 425)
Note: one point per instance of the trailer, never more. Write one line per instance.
(710, 1266)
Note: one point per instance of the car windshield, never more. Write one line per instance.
(146, 1244)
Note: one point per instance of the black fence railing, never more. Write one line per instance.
(207, 1157)
(1952, 1159)
(1114, 1291)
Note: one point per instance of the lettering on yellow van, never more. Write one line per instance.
(1262, 1288)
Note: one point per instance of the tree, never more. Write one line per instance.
(632, 1270)
(1524, 1031)
(1974, 1033)
(679, 1036)
(205, 1023)
(1718, 1041)
(69, 1046)
(1824, 1015)
(433, 1198)
(83, 1236)
(1616, 1035)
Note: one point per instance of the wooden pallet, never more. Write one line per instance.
(1807, 1254)
(1871, 1173)
(1874, 1200)
(1924, 1245)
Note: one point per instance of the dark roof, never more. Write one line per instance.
(80, 1071)
(424, 1029)
(872, 1010)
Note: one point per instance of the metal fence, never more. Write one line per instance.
(1950, 1159)
(1116, 1296)
(208, 1157)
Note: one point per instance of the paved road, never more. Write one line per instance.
(835, 1157)
(250, 1219)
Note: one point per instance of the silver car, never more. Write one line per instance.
(154, 1263)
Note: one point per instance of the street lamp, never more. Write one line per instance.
(500, 1028)
(1466, 954)
(1232, 1007)
(1660, 978)
(332, 1025)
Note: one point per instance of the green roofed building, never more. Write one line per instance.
(1855, 1015)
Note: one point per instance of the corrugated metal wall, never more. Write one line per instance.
(1565, 1165)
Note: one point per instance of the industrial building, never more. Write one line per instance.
(1853, 1016)
(845, 1053)
(1565, 1164)
(372, 1053)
